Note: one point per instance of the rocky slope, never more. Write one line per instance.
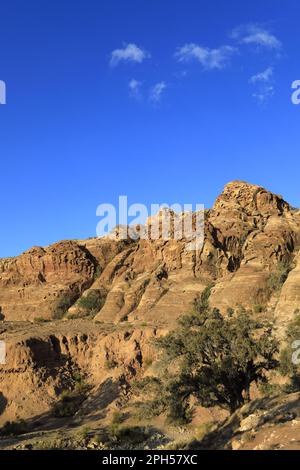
(145, 285)
(247, 232)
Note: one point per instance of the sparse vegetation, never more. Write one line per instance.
(62, 305)
(118, 417)
(2, 316)
(110, 364)
(148, 362)
(270, 390)
(14, 428)
(83, 432)
(259, 308)
(278, 277)
(127, 434)
(201, 303)
(230, 312)
(91, 303)
(71, 400)
(214, 360)
(41, 320)
(289, 356)
(49, 444)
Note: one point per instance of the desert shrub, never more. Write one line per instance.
(230, 312)
(69, 404)
(241, 310)
(118, 417)
(148, 362)
(213, 360)
(98, 272)
(259, 308)
(84, 432)
(203, 429)
(270, 390)
(62, 305)
(110, 364)
(54, 444)
(41, 320)
(2, 316)
(149, 409)
(288, 363)
(14, 428)
(92, 302)
(278, 277)
(127, 434)
(202, 302)
(81, 387)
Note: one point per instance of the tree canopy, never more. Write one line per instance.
(214, 359)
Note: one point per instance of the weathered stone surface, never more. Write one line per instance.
(247, 232)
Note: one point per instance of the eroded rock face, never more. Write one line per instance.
(246, 233)
(33, 284)
(42, 360)
(146, 286)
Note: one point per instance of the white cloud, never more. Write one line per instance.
(264, 85)
(156, 92)
(129, 53)
(264, 93)
(256, 35)
(135, 88)
(208, 58)
(264, 76)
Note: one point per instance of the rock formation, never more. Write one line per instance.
(145, 285)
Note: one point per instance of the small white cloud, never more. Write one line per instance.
(129, 53)
(208, 58)
(264, 93)
(135, 89)
(264, 76)
(256, 35)
(156, 92)
(264, 85)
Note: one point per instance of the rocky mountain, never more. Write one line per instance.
(92, 307)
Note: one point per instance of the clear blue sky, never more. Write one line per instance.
(195, 94)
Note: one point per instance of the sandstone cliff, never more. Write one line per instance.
(247, 233)
(144, 285)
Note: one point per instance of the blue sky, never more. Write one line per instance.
(160, 100)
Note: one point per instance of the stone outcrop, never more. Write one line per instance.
(42, 360)
(145, 286)
(246, 234)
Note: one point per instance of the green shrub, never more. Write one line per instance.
(92, 302)
(287, 367)
(80, 384)
(55, 444)
(202, 302)
(270, 390)
(259, 308)
(149, 409)
(128, 434)
(230, 312)
(68, 404)
(118, 417)
(41, 320)
(14, 428)
(62, 305)
(98, 272)
(110, 364)
(278, 277)
(216, 360)
(84, 432)
(148, 362)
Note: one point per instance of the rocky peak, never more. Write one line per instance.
(251, 199)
